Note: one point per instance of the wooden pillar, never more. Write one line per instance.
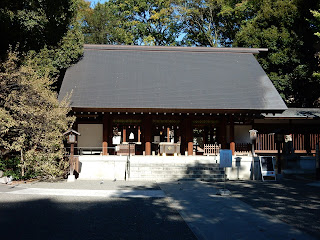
(107, 124)
(139, 134)
(147, 125)
(124, 134)
(168, 134)
(189, 135)
(75, 127)
(232, 143)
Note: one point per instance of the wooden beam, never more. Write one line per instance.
(147, 126)
(124, 134)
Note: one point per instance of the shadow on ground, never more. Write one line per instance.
(291, 201)
(43, 217)
(85, 218)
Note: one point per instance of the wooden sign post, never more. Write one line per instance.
(225, 161)
(72, 139)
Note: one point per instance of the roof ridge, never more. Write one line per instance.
(171, 48)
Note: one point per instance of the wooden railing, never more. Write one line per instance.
(314, 139)
(265, 143)
(301, 143)
(211, 149)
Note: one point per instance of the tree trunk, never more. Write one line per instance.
(22, 163)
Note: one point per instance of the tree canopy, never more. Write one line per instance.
(283, 27)
(39, 39)
(31, 118)
(152, 22)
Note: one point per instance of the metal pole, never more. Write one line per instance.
(71, 158)
(252, 149)
(317, 162)
(224, 190)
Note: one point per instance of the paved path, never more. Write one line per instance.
(91, 193)
(295, 202)
(216, 217)
(49, 214)
(138, 210)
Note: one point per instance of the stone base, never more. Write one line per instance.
(4, 180)
(71, 178)
(224, 192)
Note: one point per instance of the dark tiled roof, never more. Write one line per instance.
(297, 113)
(170, 78)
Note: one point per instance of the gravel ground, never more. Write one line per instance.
(291, 201)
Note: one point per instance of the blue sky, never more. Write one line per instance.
(93, 2)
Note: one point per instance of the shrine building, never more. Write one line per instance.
(167, 100)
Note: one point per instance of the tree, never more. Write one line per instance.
(49, 38)
(32, 120)
(40, 30)
(209, 23)
(34, 23)
(316, 25)
(132, 22)
(283, 28)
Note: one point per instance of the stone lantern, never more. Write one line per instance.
(71, 139)
(253, 137)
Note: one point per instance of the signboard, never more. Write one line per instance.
(267, 167)
(116, 140)
(156, 139)
(72, 138)
(225, 158)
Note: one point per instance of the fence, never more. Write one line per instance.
(211, 149)
(90, 150)
(301, 143)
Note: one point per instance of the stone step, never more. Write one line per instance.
(176, 171)
(184, 171)
(202, 166)
(176, 168)
(177, 176)
(142, 178)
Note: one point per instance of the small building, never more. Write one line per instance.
(185, 97)
(300, 127)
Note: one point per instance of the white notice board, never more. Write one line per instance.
(267, 167)
(225, 158)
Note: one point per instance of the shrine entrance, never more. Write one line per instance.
(166, 136)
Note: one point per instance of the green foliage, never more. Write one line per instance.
(282, 27)
(48, 36)
(208, 23)
(132, 22)
(46, 31)
(34, 24)
(32, 120)
(54, 59)
(10, 167)
(315, 21)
